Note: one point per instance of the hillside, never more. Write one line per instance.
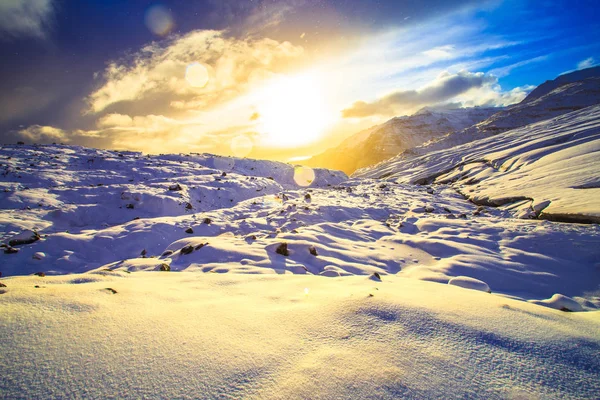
(550, 167)
(386, 140)
(185, 276)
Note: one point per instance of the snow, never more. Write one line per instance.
(471, 283)
(400, 133)
(190, 335)
(551, 166)
(185, 294)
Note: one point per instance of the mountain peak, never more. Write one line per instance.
(561, 80)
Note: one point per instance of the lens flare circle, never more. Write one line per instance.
(196, 75)
(241, 146)
(303, 176)
(159, 20)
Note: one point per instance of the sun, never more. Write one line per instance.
(292, 111)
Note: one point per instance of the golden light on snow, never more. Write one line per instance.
(292, 110)
(303, 176)
(159, 20)
(196, 75)
(241, 146)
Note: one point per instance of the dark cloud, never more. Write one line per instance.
(25, 18)
(445, 87)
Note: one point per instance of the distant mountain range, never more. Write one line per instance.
(396, 135)
(433, 129)
(536, 159)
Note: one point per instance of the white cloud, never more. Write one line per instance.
(112, 120)
(25, 18)
(157, 71)
(587, 63)
(445, 87)
(43, 134)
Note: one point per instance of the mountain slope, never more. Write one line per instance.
(553, 165)
(386, 140)
(566, 93)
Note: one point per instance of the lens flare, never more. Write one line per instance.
(159, 20)
(303, 176)
(196, 75)
(241, 146)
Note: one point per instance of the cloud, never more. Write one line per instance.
(113, 120)
(154, 77)
(445, 87)
(20, 18)
(43, 134)
(587, 63)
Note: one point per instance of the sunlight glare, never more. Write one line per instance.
(303, 176)
(292, 111)
(241, 146)
(196, 75)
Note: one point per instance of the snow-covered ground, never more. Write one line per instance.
(547, 169)
(195, 276)
(191, 335)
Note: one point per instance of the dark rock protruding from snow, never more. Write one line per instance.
(187, 249)
(282, 249)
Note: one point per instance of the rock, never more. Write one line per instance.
(189, 230)
(207, 220)
(26, 237)
(187, 249)
(130, 206)
(428, 209)
(11, 250)
(39, 255)
(165, 267)
(2, 284)
(201, 245)
(430, 191)
(307, 196)
(113, 291)
(175, 187)
(282, 249)
(143, 253)
(224, 173)
(376, 276)
(167, 253)
(313, 250)
(188, 206)
(40, 274)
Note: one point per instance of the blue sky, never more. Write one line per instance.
(111, 73)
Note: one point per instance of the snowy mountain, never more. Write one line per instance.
(386, 140)
(548, 169)
(569, 92)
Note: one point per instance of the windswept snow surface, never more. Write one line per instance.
(548, 169)
(189, 335)
(225, 278)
